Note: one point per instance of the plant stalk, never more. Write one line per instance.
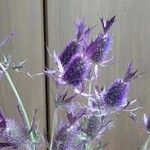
(19, 100)
(145, 145)
(53, 128)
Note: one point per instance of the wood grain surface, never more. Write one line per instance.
(131, 36)
(25, 17)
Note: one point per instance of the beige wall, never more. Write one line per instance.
(131, 36)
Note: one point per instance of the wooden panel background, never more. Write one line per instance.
(131, 37)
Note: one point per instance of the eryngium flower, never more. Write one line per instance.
(16, 135)
(70, 50)
(74, 74)
(75, 45)
(76, 71)
(146, 120)
(100, 47)
(116, 95)
(12, 133)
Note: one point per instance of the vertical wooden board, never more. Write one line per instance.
(24, 17)
(131, 36)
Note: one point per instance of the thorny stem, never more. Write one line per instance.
(19, 100)
(53, 128)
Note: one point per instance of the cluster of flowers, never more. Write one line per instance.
(85, 123)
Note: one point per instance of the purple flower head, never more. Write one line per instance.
(74, 74)
(146, 120)
(116, 95)
(15, 135)
(76, 71)
(74, 46)
(101, 46)
(71, 49)
(12, 134)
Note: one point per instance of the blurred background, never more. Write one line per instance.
(42, 23)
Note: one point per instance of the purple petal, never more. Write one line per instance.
(2, 120)
(71, 118)
(2, 145)
(129, 75)
(107, 24)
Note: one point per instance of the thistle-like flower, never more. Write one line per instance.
(74, 74)
(13, 134)
(67, 136)
(75, 46)
(100, 47)
(116, 95)
(76, 71)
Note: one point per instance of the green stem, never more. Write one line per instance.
(53, 127)
(145, 145)
(19, 100)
